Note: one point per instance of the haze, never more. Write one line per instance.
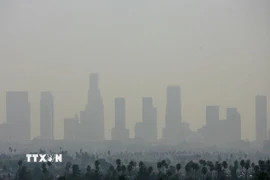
(217, 51)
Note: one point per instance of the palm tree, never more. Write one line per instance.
(233, 170)
(247, 166)
(67, 168)
(24, 174)
(195, 167)
(129, 168)
(188, 168)
(141, 164)
(242, 164)
(76, 173)
(219, 170)
(225, 166)
(178, 167)
(118, 162)
(20, 163)
(204, 171)
(10, 149)
(123, 169)
(88, 173)
(262, 165)
(268, 166)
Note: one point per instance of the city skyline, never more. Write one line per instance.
(216, 51)
(78, 128)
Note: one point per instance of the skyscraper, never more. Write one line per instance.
(147, 129)
(149, 119)
(120, 112)
(71, 129)
(18, 115)
(92, 118)
(212, 114)
(173, 114)
(119, 132)
(261, 118)
(139, 130)
(234, 124)
(46, 116)
(221, 131)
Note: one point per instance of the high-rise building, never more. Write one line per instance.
(147, 129)
(18, 115)
(261, 118)
(221, 131)
(6, 132)
(173, 106)
(234, 124)
(92, 118)
(71, 129)
(120, 112)
(212, 114)
(139, 130)
(173, 114)
(46, 116)
(149, 119)
(119, 132)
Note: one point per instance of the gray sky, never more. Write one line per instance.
(218, 51)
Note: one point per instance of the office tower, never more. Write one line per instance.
(147, 129)
(119, 132)
(71, 129)
(233, 125)
(212, 114)
(46, 116)
(120, 112)
(92, 118)
(6, 133)
(149, 119)
(217, 131)
(18, 115)
(173, 106)
(261, 118)
(173, 114)
(139, 130)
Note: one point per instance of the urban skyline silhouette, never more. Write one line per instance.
(89, 125)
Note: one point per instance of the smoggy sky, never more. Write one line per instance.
(218, 51)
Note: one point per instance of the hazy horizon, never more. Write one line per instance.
(216, 51)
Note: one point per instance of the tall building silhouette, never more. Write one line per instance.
(261, 118)
(149, 119)
(173, 114)
(139, 130)
(147, 129)
(46, 116)
(71, 129)
(18, 115)
(92, 118)
(221, 131)
(212, 114)
(119, 132)
(234, 124)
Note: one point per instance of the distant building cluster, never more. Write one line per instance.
(89, 125)
(221, 131)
